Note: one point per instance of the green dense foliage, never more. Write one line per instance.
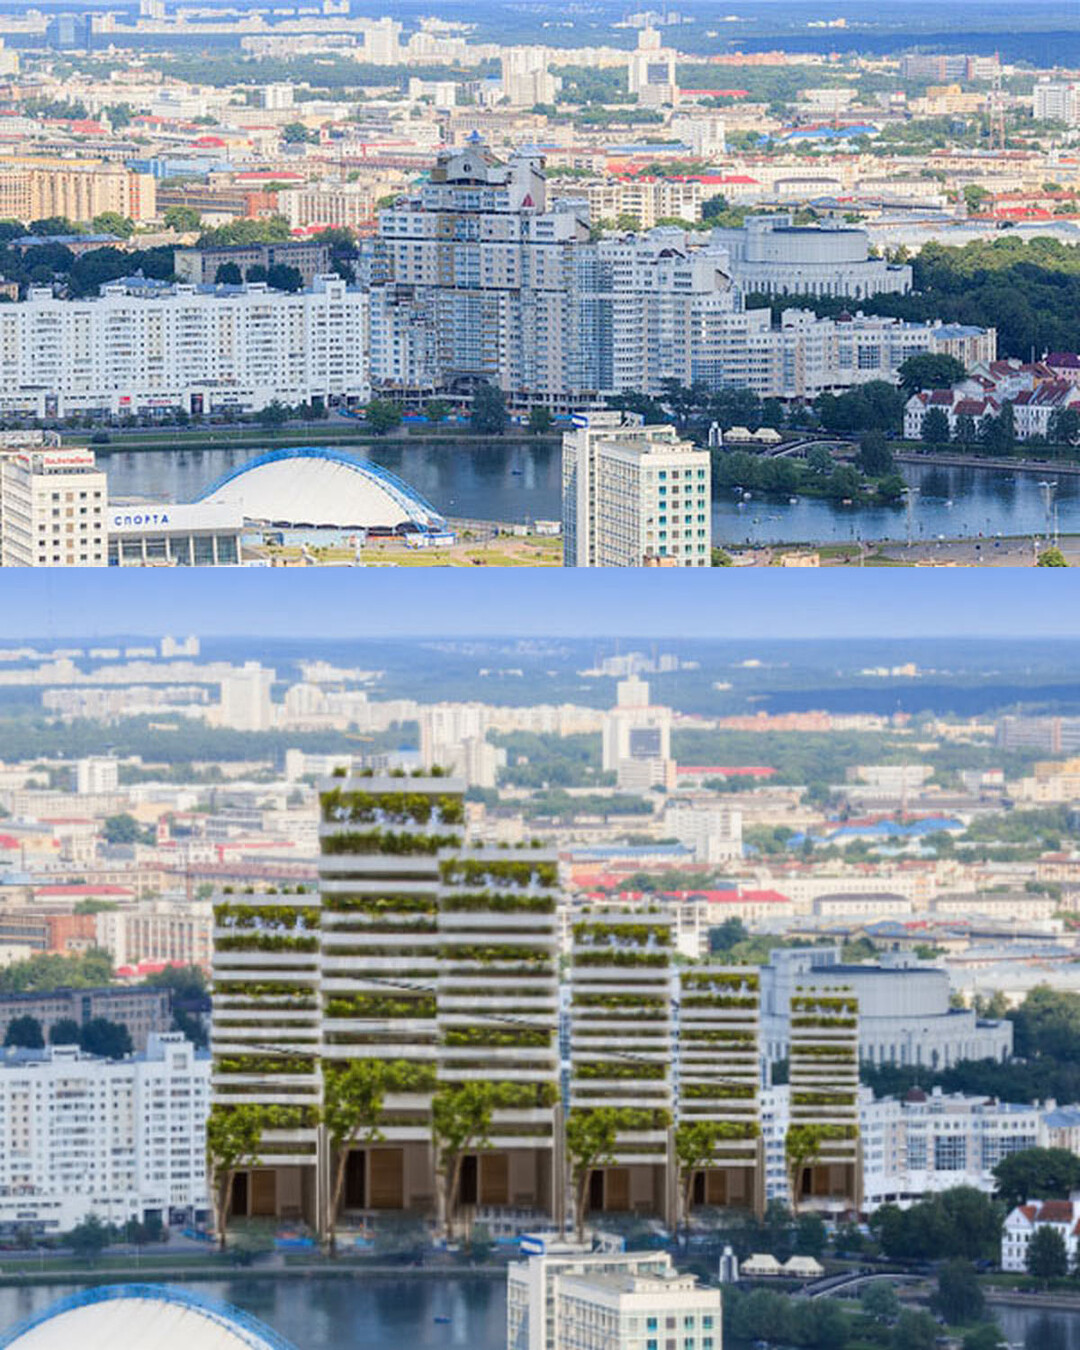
(1037, 1174)
(42, 974)
(961, 1222)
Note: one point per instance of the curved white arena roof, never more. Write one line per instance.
(140, 1317)
(320, 487)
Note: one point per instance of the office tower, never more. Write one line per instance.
(52, 508)
(634, 495)
(497, 1018)
(822, 1145)
(719, 1077)
(245, 698)
(636, 738)
(621, 1051)
(651, 73)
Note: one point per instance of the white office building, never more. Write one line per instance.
(633, 495)
(146, 348)
(52, 508)
(567, 1298)
(651, 73)
(162, 534)
(245, 698)
(713, 829)
(123, 1139)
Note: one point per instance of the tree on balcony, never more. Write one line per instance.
(352, 1105)
(695, 1151)
(802, 1149)
(233, 1135)
(590, 1143)
(460, 1121)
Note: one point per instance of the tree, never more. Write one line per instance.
(874, 457)
(256, 273)
(271, 230)
(914, 1331)
(228, 274)
(55, 225)
(66, 1031)
(382, 416)
(725, 935)
(436, 410)
(352, 1104)
(107, 1039)
(233, 1135)
(974, 196)
(802, 1148)
(695, 1151)
(295, 133)
(1064, 426)
(1037, 1174)
(89, 1238)
(986, 1336)
(540, 420)
(25, 1033)
(275, 414)
(820, 1324)
(1052, 557)
(282, 277)
(121, 829)
(810, 1235)
(879, 1301)
(183, 219)
(930, 370)
(488, 416)
(1047, 1257)
(460, 1121)
(959, 1299)
(819, 461)
(590, 1143)
(721, 558)
(112, 222)
(935, 428)
(965, 430)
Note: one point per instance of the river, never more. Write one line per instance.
(340, 1314)
(519, 480)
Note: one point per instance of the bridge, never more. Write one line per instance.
(852, 1280)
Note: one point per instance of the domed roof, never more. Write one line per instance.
(320, 487)
(142, 1317)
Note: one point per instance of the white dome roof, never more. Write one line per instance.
(321, 487)
(140, 1317)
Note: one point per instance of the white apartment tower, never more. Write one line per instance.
(245, 698)
(651, 74)
(634, 495)
(52, 508)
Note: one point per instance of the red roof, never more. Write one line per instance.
(715, 93)
(8, 841)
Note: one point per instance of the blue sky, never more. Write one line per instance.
(351, 602)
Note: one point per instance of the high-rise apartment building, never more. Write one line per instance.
(472, 279)
(621, 1051)
(719, 1079)
(651, 73)
(634, 494)
(78, 190)
(1057, 101)
(245, 698)
(97, 773)
(123, 1139)
(823, 1132)
(52, 509)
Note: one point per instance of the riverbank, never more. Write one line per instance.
(201, 439)
(215, 1268)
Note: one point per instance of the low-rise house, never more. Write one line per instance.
(1025, 1220)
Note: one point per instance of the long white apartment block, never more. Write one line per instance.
(140, 348)
(123, 1139)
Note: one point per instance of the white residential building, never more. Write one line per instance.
(123, 1139)
(97, 773)
(142, 348)
(1063, 1216)
(651, 74)
(52, 508)
(1057, 101)
(568, 1298)
(633, 494)
(712, 829)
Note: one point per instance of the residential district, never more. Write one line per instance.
(331, 229)
(798, 1009)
